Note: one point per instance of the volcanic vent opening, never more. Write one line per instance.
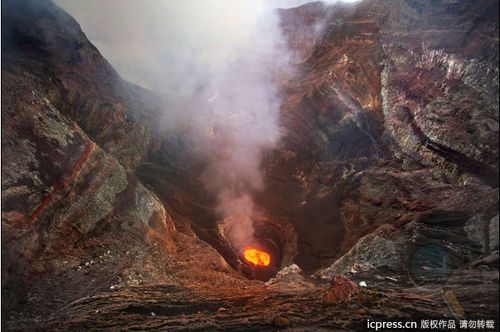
(256, 256)
(272, 246)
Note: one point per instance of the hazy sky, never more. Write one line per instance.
(130, 33)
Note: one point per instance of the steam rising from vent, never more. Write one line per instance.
(218, 62)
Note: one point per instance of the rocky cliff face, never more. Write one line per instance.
(66, 202)
(388, 168)
(395, 98)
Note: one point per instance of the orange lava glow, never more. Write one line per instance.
(257, 257)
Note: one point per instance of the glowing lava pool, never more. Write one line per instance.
(256, 257)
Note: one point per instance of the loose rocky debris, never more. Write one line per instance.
(342, 306)
(289, 279)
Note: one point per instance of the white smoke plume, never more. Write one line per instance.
(218, 62)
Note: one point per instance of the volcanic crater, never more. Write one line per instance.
(379, 202)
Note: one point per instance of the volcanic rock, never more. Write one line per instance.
(388, 167)
(341, 290)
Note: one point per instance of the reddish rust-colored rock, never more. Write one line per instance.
(341, 290)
